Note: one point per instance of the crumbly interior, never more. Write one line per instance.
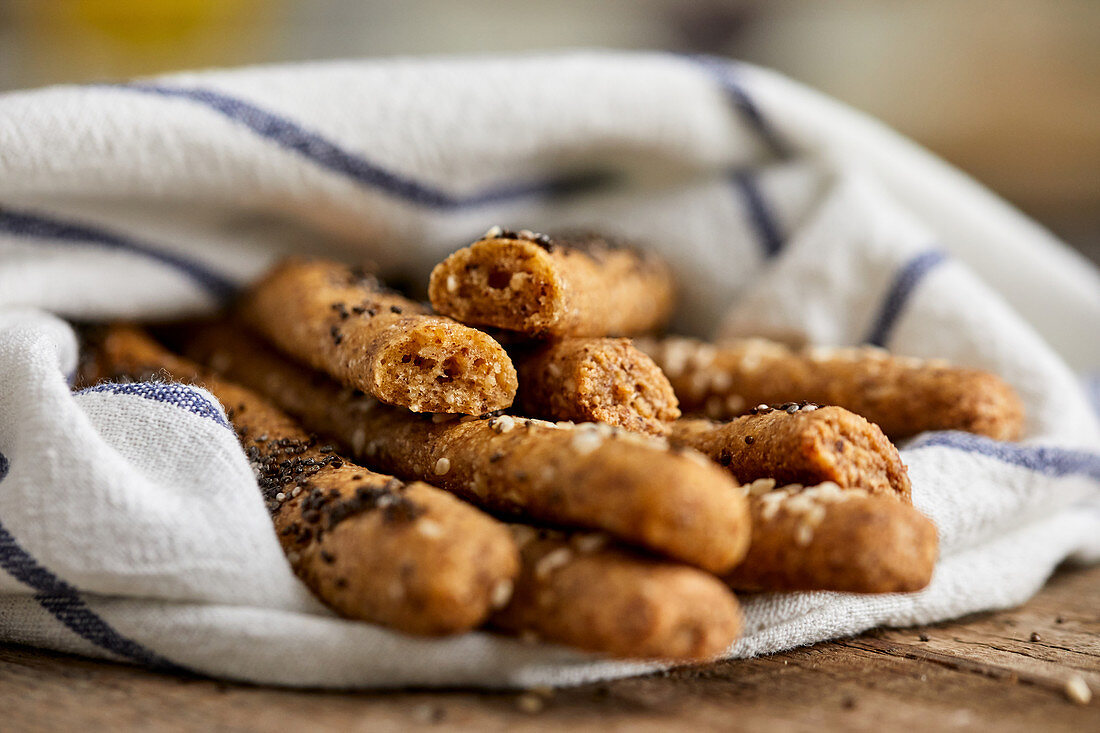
(622, 387)
(507, 285)
(848, 454)
(430, 368)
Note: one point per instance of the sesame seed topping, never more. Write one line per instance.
(442, 466)
(1077, 690)
(501, 593)
(804, 534)
(588, 542)
(493, 232)
(430, 528)
(502, 424)
(552, 561)
(586, 441)
(760, 486)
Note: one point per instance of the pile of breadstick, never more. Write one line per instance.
(509, 458)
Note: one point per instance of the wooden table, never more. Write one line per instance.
(998, 671)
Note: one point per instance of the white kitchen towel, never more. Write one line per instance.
(130, 524)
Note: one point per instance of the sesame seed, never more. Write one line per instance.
(430, 528)
(804, 534)
(586, 441)
(760, 486)
(552, 561)
(442, 466)
(1078, 690)
(502, 424)
(501, 593)
(493, 232)
(588, 542)
(452, 283)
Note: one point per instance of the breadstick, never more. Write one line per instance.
(408, 556)
(577, 590)
(902, 395)
(827, 538)
(538, 286)
(801, 443)
(674, 503)
(344, 323)
(595, 380)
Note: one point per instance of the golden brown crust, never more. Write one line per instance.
(343, 322)
(539, 286)
(674, 503)
(827, 538)
(801, 443)
(410, 557)
(579, 591)
(595, 380)
(902, 395)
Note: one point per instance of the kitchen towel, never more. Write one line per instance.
(130, 524)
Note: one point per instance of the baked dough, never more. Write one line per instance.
(902, 395)
(542, 286)
(827, 538)
(595, 380)
(342, 321)
(581, 591)
(801, 443)
(674, 503)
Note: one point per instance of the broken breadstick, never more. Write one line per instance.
(902, 395)
(541, 286)
(408, 556)
(672, 502)
(595, 380)
(341, 321)
(801, 443)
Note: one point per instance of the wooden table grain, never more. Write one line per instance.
(1004, 671)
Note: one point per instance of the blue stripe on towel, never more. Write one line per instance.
(905, 282)
(1047, 460)
(171, 393)
(64, 603)
(37, 226)
(724, 71)
(327, 154)
(760, 214)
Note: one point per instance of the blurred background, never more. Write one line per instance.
(1008, 90)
